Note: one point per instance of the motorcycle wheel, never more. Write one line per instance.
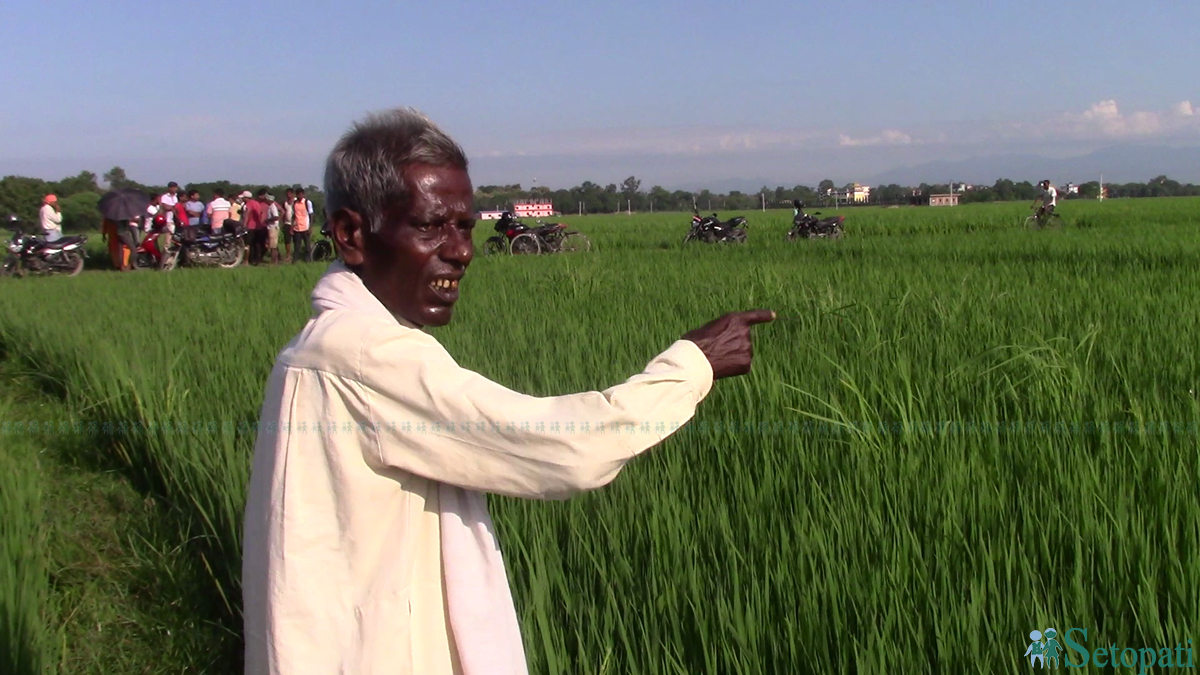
(239, 253)
(575, 242)
(321, 251)
(493, 246)
(525, 244)
(171, 261)
(738, 235)
(75, 262)
(689, 237)
(12, 267)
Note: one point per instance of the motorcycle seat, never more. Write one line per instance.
(59, 243)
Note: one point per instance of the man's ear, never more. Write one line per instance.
(349, 236)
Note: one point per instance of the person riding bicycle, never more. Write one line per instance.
(1048, 198)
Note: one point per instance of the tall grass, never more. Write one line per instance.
(819, 514)
(27, 639)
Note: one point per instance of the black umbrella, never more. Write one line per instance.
(125, 204)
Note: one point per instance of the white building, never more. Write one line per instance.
(540, 208)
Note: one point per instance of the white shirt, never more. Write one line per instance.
(51, 219)
(1049, 196)
(151, 211)
(368, 547)
(169, 201)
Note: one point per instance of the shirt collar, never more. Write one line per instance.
(341, 288)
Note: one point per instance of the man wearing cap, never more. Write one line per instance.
(238, 207)
(51, 217)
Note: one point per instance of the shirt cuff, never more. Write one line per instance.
(694, 363)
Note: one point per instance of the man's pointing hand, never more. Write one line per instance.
(726, 341)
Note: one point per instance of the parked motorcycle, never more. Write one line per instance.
(809, 227)
(29, 253)
(517, 238)
(205, 249)
(323, 250)
(147, 255)
(710, 229)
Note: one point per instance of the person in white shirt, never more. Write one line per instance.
(168, 200)
(368, 543)
(273, 214)
(51, 218)
(287, 221)
(1048, 198)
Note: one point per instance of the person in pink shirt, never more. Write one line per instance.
(254, 217)
(218, 211)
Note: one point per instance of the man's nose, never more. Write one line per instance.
(459, 247)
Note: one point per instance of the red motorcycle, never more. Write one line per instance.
(517, 238)
(148, 255)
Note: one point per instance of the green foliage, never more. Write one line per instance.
(80, 213)
(818, 514)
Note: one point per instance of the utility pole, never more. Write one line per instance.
(764, 198)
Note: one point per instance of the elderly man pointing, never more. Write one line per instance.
(368, 544)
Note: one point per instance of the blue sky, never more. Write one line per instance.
(679, 94)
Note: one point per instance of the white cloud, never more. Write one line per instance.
(888, 137)
(1106, 121)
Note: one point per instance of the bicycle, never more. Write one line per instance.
(1038, 222)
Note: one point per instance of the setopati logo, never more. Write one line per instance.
(1045, 651)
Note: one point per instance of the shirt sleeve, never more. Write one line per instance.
(432, 418)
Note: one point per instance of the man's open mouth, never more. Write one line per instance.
(445, 289)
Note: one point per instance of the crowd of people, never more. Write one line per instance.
(261, 215)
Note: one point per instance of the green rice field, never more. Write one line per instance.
(957, 432)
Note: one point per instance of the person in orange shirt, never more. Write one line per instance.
(300, 227)
(118, 252)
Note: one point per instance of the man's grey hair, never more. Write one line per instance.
(365, 171)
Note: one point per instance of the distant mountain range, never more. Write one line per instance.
(1119, 164)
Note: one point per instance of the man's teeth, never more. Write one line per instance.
(445, 283)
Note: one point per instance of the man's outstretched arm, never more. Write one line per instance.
(493, 439)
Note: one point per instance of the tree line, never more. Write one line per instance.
(79, 195)
(592, 198)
